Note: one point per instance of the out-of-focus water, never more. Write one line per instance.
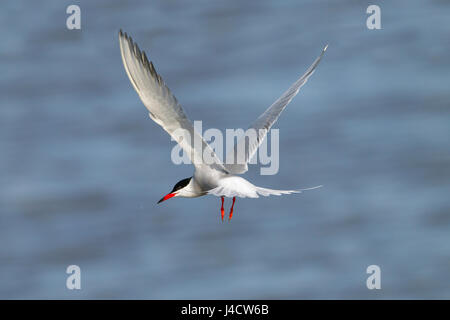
(82, 165)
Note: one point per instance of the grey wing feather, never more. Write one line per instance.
(162, 105)
(265, 121)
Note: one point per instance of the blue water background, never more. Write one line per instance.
(82, 165)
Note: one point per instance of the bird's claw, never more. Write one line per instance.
(231, 210)
(222, 211)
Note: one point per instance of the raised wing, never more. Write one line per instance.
(162, 105)
(265, 121)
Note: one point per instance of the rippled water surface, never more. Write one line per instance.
(82, 165)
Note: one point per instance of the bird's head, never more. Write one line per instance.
(179, 189)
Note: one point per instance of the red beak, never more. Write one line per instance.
(168, 196)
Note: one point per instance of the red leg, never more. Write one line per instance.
(222, 212)
(231, 210)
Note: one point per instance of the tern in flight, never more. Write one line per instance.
(216, 178)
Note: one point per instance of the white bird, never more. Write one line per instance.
(219, 179)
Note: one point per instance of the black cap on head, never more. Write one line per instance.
(181, 184)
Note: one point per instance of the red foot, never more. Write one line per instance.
(231, 210)
(222, 212)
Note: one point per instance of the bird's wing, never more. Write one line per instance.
(231, 192)
(265, 121)
(162, 105)
(234, 186)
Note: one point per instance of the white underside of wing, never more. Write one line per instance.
(231, 193)
(234, 186)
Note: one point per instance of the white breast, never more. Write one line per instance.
(234, 186)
